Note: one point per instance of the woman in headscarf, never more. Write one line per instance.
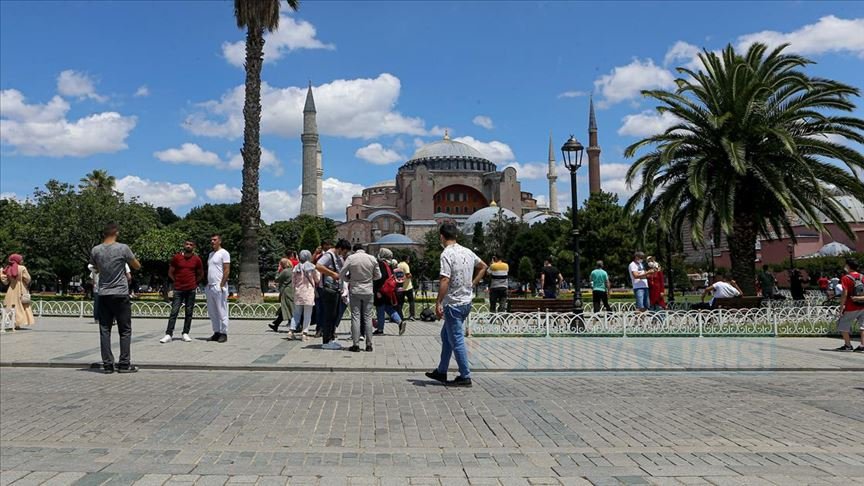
(656, 285)
(16, 276)
(286, 295)
(305, 279)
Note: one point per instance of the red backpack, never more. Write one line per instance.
(388, 288)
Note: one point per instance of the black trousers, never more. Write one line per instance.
(187, 298)
(115, 308)
(407, 296)
(332, 309)
(498, 300)
(598, 296)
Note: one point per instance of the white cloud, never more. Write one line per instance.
(282, 205)
(269, 162)
(483, 121)
(538, 170)
(142, 91)
(626, 82)
(647, 123)
(223, 193)
(290, 36)
(495, 151)
(188, 153)
(157, 193)
(682, 51)
(573, 94)
(8, 195)
(78, 84)
(377, 154)
(353, 108)
(829, 34)
(34, 129)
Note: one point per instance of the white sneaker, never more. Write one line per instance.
(186, 338)
(332, 345)
(166, 339)
(362, 338)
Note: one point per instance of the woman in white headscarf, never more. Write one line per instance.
(305, 279)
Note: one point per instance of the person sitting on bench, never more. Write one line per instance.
(723, 288)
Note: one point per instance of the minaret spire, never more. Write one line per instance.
(552, 176)
(593, 150)
(310, 202)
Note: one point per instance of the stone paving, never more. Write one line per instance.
(66, 426)
(75, 342)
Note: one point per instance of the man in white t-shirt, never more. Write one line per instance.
(218, 270)
(722, 290)
(639, 280)
(461, 270)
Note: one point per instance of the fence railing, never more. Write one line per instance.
(788, 321)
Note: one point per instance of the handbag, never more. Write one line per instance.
(25, 297)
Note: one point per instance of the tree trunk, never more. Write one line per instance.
(742, 248)
(249, 288)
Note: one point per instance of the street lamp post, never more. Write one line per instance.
(572, 152)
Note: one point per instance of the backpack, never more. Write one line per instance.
(427, 315)
(857, 292)
(388, 288)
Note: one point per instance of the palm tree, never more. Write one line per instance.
(758, 143)
(98, 179)
(255, 16)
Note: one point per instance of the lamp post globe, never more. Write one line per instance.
(571, 153)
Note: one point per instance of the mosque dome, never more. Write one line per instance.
(447, 154)
(536, 217)
(486, 216)
(395, 239)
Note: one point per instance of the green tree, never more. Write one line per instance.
(310, 239)
(526, 271)
(478, 241)
(754, 145)
(166, 216)
(98, 179)
(607, 231)
(202, 222)
(288, 232)
(155, 248)
(255, 16)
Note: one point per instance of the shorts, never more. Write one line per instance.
(844, 324)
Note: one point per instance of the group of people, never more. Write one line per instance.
(646, 277)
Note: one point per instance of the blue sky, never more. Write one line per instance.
(151, 91)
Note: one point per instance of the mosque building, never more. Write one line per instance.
(444, 181)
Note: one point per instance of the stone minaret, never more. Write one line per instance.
(309, 203)
(319, 173)
(593, 151)
(553, 179)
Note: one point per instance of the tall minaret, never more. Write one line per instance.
(593, 151)
(319, 173)
(553, 179)
(309, 202)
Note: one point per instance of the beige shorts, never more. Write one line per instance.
(844, 324)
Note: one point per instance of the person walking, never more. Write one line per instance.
(461, 271)
(407, 294)
(851, 306)
(332, 289)
(185, 270)
(550, 280)
(385, 293)
(359, 272)
(305, 280)
(796, 285)
(656, 285)
(218, 270)
(285, 284)
(16, 276)
(499, 285)
(110, 259)
(767, 282)
(600, 288)
(639, 280)
(94, 278)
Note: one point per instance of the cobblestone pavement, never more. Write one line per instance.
(75, 342)
(66, 426)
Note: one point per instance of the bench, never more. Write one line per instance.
(539, 305)
(746, 302)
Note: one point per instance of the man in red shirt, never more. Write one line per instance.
(823, 285)
(186, 270)
(851, 312)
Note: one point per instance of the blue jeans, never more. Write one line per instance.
(453, 339)
(387, 311)
(641, 298)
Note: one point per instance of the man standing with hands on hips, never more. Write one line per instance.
(218, 269)
(461, 271)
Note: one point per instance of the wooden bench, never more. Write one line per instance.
(746, 302)
(539, 305)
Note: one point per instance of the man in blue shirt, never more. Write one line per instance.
(600, 287)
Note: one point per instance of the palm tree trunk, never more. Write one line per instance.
(742, 248)
(249, 288)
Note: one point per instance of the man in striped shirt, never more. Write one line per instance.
(498, 288)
